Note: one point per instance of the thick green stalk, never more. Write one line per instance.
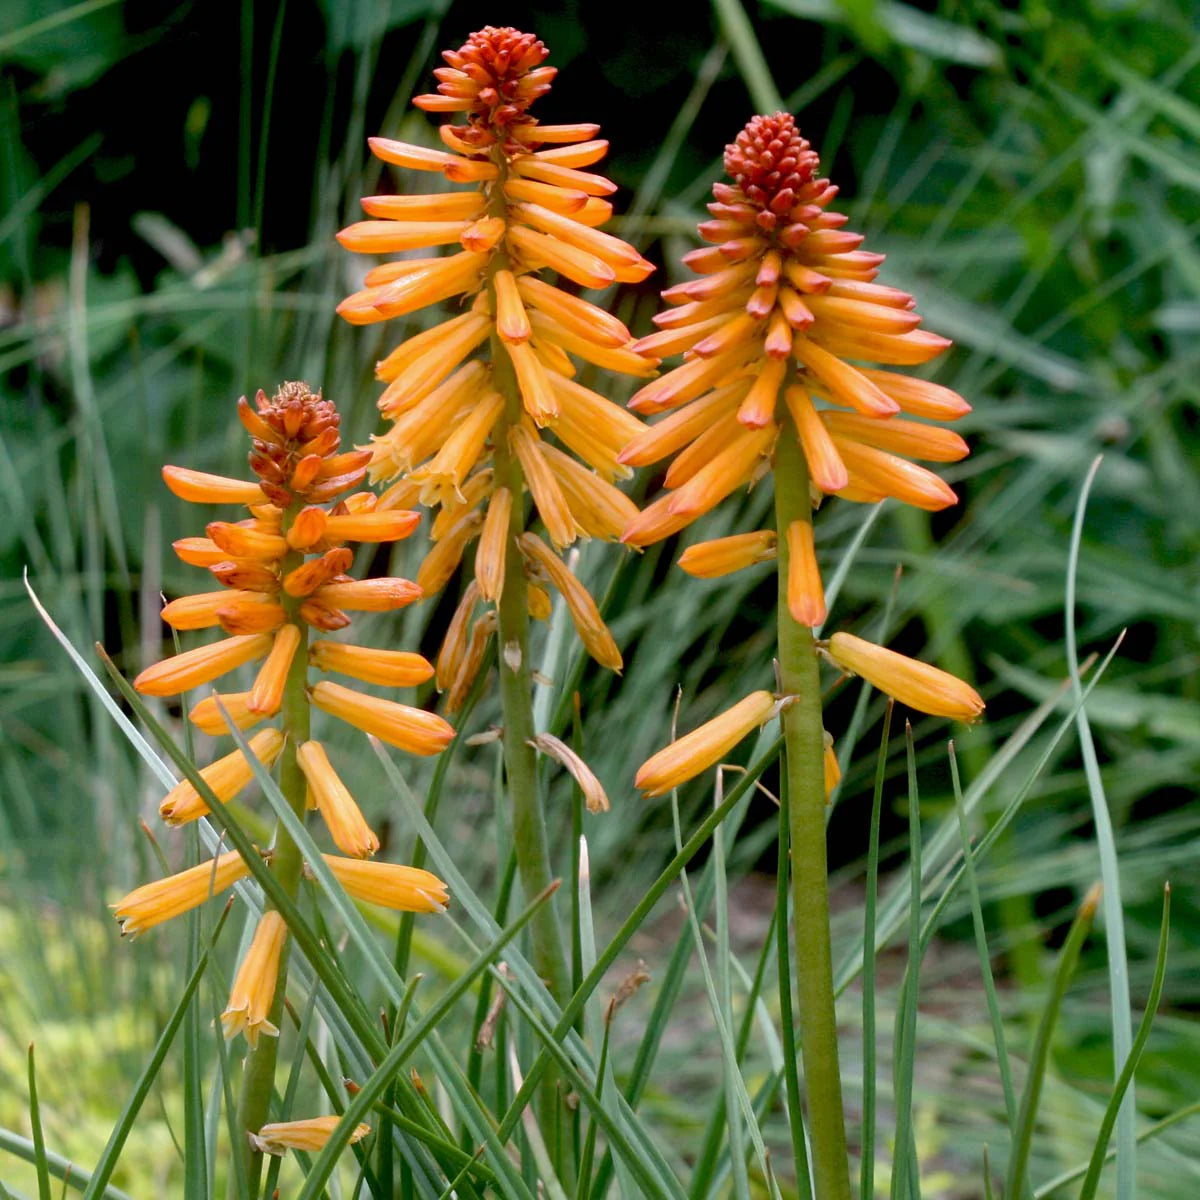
(804, 755)
(516, 700)
(258, 1076)
(516, 678)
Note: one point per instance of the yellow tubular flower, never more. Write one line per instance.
(833, 770)
(206, 716)
(267, 693)
(529, 207)
(805, 592)
(586, 616)
(311, 1133)
(153, 903)
(493, 546)
(686, 757)
(392, 668)
(917, 684)
(226, 777)
(200, 488)
(253, 989)
(350, 832)
(390, 885)
(411, 729)
(205, 663)
(723, 556)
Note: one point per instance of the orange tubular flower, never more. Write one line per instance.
(785, 297)
(923, 687)
(493, 385)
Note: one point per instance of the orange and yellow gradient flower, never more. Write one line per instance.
(774, 336)
(282, 573)
(485, 406)
(785, 298)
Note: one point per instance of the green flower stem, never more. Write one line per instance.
(516, 692)
(258, 1078)
(804, 795)
(516, 680)
(520, 763)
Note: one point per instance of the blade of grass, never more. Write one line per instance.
(1149, 1133)
(1039, 1057)
(35, 1122)
(374, 1086)
(905, 1167)
(866, 1184)
(981, 948)
(195, 1156)
(116, 1142)
(61, 1168)
(642, 1158)
(1110, 874)
(1092, 1179)
(747, 53)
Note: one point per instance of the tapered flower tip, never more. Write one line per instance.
(926, 688)
(771, 162)
(409, 889)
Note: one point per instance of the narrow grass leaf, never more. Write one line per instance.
(373, 1087)
(905, 1167)
(116, 1142)
(981, 948)
(1092, 1179)
(866, 1183)
(1110, 873)
(61, 1168)
(35, 1122)
(1039, 1057)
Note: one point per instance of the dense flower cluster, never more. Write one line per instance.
(474, 400)
(785, 300)
(282, 573)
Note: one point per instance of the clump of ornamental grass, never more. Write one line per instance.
(282, 573)
(488, 424)
(774, 335)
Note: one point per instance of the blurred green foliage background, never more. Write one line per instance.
(171, 178)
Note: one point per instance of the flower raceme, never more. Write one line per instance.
(281, 574)
(785, 298)
(485, 406)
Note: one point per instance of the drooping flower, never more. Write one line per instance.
(253, 991)
(310, 1133)
(153, 903)
(390, 885)
(926, 688)
(687, 756)
(485, 406)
